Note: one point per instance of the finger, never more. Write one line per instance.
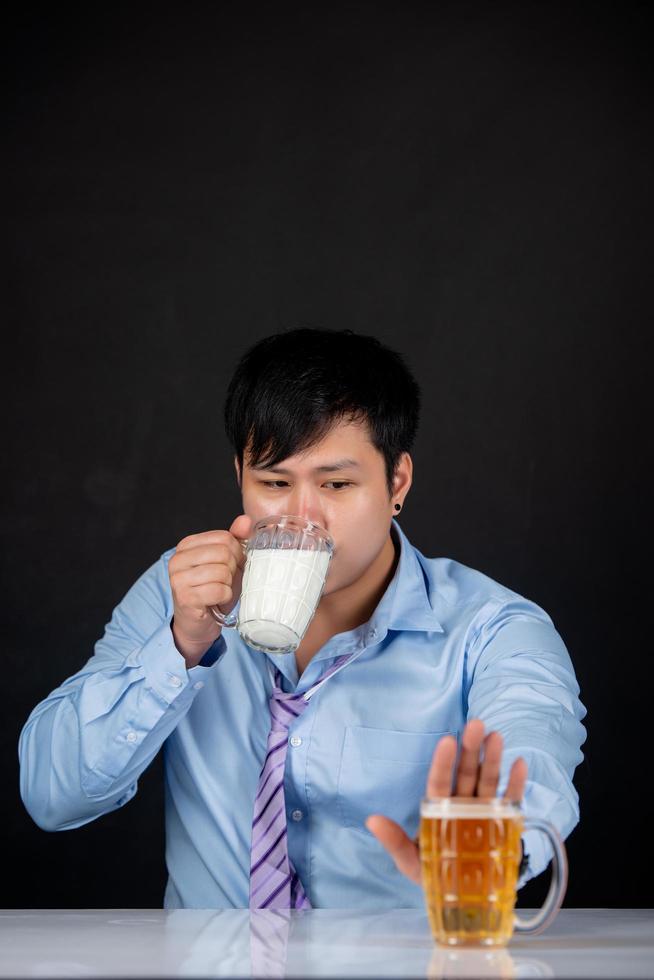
(225, 552)
(439, 780)
(205, 575)
(401, 848)
(202, 538)
(490, 767)
(515, 788)
(212, 594)
(468, 769)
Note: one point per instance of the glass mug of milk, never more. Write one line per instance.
(286, 565)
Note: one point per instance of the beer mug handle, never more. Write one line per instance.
(229, 619)
(558, 882)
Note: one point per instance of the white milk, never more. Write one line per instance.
(281, 589)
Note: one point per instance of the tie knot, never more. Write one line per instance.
(285, 708)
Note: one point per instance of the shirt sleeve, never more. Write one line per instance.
(523, 684)
(84, 746)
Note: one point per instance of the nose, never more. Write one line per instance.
(302, 503)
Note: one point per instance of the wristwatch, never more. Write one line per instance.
(524, 861)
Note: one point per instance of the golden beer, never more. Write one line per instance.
(470, 853)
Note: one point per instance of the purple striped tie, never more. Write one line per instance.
(274, 882)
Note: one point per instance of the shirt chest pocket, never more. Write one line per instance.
(384, 771)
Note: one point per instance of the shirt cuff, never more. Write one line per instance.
(215, 653)
(164, 668)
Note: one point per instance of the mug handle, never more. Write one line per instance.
(229, 619)
(558, 883)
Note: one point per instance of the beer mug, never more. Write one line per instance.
(470, 854)
(287, 559)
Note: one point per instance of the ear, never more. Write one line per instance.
(403, 475)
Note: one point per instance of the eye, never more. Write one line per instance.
(334, 483)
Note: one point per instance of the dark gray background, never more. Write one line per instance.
(469, 183)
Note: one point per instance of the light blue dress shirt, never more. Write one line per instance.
(445, 643)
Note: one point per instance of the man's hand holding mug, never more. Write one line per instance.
(206, 570)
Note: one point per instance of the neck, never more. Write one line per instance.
(352, 606)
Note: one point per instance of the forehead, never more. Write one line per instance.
(344, 441)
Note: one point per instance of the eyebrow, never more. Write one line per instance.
(339, 464)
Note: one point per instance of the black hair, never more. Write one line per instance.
(290, 389)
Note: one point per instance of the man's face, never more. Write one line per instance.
(351, 502)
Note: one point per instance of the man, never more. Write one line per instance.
(442, 658)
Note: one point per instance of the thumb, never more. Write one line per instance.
(242, 527)
(401, 848)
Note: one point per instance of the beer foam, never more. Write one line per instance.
(451, 808)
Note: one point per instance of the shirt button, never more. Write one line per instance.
(295, 741)
(175, 681)
(198, 685)
(131, 736)
(297, 815)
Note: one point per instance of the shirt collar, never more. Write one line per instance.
(406, 604)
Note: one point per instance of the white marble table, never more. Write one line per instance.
(318, 943)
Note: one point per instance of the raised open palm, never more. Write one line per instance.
(477, 774)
